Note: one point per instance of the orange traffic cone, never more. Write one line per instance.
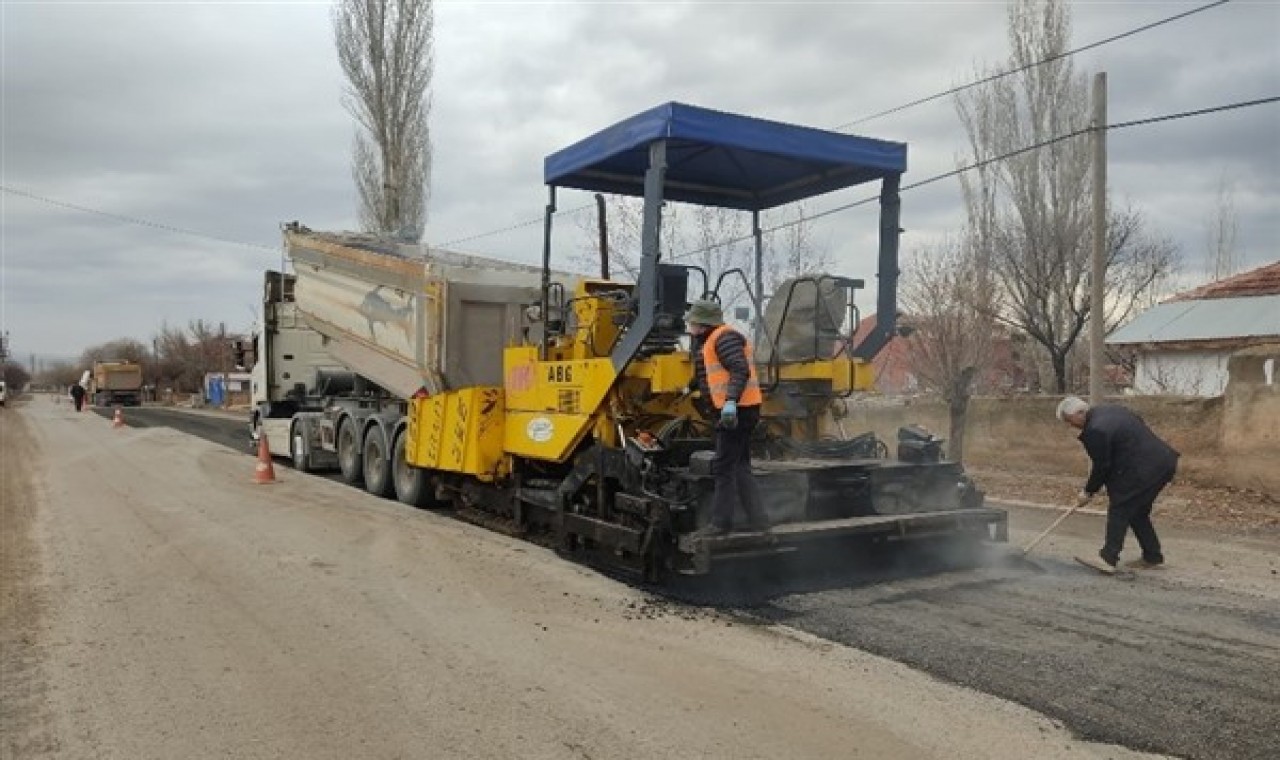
(264, 473)
(118, 420)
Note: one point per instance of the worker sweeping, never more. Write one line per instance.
(1134, 464)
(726, 375)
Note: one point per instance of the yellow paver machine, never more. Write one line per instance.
(555, 406)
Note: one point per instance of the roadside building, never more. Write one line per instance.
(1182, 346)
(895, 375)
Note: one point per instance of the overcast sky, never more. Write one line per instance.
(226, 119)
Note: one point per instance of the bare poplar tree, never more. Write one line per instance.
(1034, 208)
(386, 51)
(1221, 229)
(944, 294)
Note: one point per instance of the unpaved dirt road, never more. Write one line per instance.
(158, 605)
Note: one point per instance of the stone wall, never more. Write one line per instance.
(1229, 441)
(1251, 418)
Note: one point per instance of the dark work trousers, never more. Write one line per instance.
(1134, 512)
(732, 469)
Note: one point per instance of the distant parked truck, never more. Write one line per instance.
(116, 383)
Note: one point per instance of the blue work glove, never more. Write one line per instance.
(729, 415)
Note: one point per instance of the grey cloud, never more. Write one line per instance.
(227, 119)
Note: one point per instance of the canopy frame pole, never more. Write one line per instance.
(646, 302)
(546, 271)
(887, 276)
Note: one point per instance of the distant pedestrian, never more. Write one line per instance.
(1134, 464)
(726, 376)
(77, 396)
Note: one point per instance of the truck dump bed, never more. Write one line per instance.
(117, 383)
(408, 317)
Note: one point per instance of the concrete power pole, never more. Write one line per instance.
(1098, 266)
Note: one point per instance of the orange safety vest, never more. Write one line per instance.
(718, 376)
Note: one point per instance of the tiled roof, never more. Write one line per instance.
(1263, 281)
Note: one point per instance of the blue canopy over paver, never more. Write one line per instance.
(723, 159)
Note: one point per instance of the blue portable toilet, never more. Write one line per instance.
(215, 392)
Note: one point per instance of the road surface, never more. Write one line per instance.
(164, 607)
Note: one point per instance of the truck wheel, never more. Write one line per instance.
(349, 453)
(299, 448)
(377, 465)
(413, 485)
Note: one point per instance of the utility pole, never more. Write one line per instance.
(4, 355)
(1097, 309)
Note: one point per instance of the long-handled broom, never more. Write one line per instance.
(1036, 541)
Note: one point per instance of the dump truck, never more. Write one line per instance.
(555, 406)
(116, 383)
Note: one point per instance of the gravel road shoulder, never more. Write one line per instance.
(26, 722)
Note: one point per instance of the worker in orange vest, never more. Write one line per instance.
(726, 376)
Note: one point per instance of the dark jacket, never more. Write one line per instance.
(1127, 457)
(731, 348)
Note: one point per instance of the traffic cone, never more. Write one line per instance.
(264, 473)
(118, 420)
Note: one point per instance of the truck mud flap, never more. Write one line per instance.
(991, 524)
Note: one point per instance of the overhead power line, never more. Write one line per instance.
(139, 221)
(1026, 67)
(579, 209)
(911, 104)
(134, 220)
(928, 181)
(995, 159)
(516, 226)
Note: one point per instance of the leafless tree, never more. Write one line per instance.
(59, 375)
(943, 294)
(118, 350)
(790, 247)
(1221, 229)
(386, 50)
(623, 216)
(715, 239)
(15, 376)
(1035, 207)
(184, 355)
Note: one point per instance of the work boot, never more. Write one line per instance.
(1144, 564)
(1099, 564)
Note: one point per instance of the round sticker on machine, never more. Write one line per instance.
(540, 429)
